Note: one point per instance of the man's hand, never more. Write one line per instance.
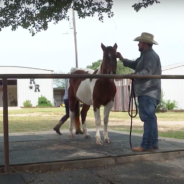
(118, 55)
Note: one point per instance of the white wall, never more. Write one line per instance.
(23, 91)
(173, 89)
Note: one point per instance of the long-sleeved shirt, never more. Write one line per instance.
(66, 89)
(147, 64)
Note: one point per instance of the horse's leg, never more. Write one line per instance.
(77, 118)
(107, 110)
(84, 111)
(72, 115)
(98, 124)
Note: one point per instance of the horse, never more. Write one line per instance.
(97, 92)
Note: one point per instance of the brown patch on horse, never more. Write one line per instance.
(75, 82)
(73, 101)
(109, 63)
(107, 91)
(95, 72)
(77, 119)
(84, 111)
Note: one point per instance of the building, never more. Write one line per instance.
(20, 90)
(173, 89)
(122, 97)
(58, 96)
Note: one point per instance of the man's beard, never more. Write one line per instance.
(140, 49)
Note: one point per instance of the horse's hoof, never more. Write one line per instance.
(107, 141)
(99, 142)
(71, 135)
(87, 136)
(79, 131)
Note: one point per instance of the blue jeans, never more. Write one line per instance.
(66, 116)
(147, 108)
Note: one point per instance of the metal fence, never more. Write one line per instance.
(4, 78)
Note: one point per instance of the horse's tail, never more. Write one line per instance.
(77, 117)
(77, 109)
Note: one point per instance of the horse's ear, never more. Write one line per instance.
(103, 47)
(115, 46)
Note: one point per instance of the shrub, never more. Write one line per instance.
(43, 102)
(27, 103)
(162, 105)
(171, 104)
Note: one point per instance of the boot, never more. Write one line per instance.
(57, 128)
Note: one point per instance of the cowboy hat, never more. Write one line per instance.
(146, 37)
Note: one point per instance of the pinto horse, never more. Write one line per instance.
(96, 92)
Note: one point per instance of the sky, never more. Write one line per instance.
(54, 49)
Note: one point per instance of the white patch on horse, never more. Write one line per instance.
(98, 124)
(71, 124)
(86, 88)
(85, 91)
(86, 135)
(107, 110)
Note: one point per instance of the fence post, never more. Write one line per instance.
(5, 126)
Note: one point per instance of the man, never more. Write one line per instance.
(148, 91)
(66, 116)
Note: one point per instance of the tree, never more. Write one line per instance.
(95, 65)
(59, 83)
(120, 68)
(35, 15)
(144, 3)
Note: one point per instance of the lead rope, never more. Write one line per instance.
(130, 110)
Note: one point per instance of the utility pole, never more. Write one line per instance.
(77, 122)
(75, 39)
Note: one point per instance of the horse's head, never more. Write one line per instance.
(109, 63)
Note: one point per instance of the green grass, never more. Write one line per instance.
(139, 130)
(35, 124)
(168, 116)
(36, 120)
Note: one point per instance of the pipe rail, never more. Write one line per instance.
(5, 77)
(90, 76)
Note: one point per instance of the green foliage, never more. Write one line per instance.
(27, 103)
(166, 105)
(144, 3)
(95, 65)
(35, 15)
(171, 104)
(43, 102)
(120, 68)
(162, 105)
(59, 83)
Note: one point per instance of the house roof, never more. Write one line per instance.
(169, 67)
(28, 67)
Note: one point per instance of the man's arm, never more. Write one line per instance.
(126, 62)
(149, 66)
(129, 63)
